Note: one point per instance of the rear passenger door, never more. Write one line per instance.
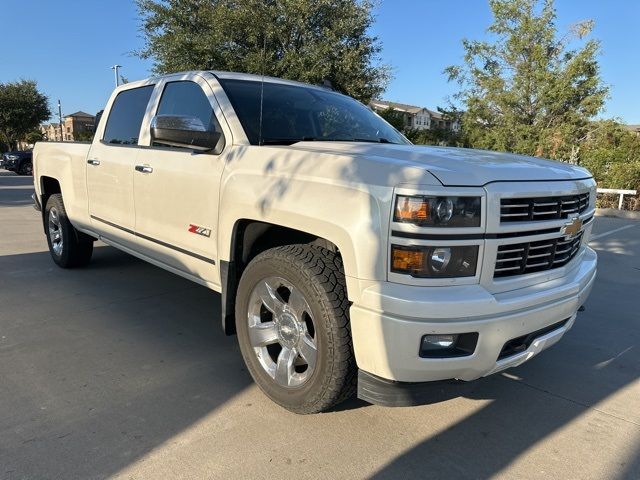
(176, 189)
(111, 163)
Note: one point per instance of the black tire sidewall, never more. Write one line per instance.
(299, 399)
(68, 232)
(23, 168)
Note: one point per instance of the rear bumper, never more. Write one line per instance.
(387, 325)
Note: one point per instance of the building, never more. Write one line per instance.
(76, 125)
(417, 118)
(633, 128)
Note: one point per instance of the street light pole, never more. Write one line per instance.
(60, 119)
(115, 71)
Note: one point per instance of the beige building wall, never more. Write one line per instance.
(73, 125)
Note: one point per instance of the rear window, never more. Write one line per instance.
(125, 117)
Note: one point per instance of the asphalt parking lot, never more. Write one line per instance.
(121, 370)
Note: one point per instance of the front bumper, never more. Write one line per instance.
(389, 321)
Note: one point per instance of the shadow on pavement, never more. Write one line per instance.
(598, 358)
(101, 365)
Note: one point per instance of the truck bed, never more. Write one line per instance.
(66, 164)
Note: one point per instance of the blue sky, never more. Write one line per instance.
(69, 46)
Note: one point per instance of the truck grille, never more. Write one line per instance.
(529, 257)
(548, 208)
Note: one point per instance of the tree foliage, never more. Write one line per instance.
(612, 154)
(22, 109)
(307, 40)
(526, 90)
(393, 117)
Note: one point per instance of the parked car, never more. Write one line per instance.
(18, 161)
(346, 257)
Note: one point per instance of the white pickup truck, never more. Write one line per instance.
(346, 257)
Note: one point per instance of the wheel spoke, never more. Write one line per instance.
(263, 334)
(308, 350)
(284, 366)
(297, 303)
(270, 298)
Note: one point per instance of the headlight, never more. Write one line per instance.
(434, 262)
(11, 157)
(427, 211)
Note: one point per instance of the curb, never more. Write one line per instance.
(614, 212)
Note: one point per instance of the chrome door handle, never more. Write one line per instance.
(93, 161)
(144, 168)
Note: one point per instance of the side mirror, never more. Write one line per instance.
(183, 131)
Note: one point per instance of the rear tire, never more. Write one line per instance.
(69, 248)
(306, 321)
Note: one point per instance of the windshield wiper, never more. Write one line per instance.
(291, 141)
(370, 140)
(279, 141)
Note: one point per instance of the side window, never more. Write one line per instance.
(187, 98)
(125, 117)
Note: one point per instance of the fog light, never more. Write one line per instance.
(438, 342)
(448, 345)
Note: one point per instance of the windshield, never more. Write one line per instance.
(292, 113)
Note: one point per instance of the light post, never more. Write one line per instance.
(115, 71)
(60, 119)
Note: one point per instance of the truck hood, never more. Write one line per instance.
(456, 166)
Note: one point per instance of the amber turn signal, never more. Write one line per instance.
(407, 260)
(412, 209)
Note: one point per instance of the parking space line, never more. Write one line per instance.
(600, 235)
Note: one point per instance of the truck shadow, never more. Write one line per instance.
(101, 365)
(582, 377)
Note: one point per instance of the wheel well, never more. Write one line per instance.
(250, 238)
(49, 186)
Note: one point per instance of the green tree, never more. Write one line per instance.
(83, 136)
(526, 90)
(33, 137)
(22, 109)
(393, 117)
(612, 154)
(307, 40)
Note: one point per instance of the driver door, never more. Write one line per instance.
(176, 190)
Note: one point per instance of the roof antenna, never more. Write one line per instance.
(264, 54)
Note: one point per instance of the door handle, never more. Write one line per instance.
(144, 168)
(93, 161)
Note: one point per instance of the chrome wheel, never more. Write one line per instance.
(281, 331)
(55, 232)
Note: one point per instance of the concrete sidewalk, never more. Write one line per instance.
(120, 370)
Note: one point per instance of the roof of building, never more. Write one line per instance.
(633, 128)
(402, 107)
(79, 113)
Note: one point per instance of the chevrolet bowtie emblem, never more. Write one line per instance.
(572, 228)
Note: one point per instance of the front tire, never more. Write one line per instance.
(26, 168)
(292, 320)
(68, 247)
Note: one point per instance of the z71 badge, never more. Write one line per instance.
(205, 232)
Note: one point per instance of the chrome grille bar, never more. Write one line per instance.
(529, 257)
(538, 209)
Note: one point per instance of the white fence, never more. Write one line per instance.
(622, 193)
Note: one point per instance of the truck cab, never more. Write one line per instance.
(346, 257)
